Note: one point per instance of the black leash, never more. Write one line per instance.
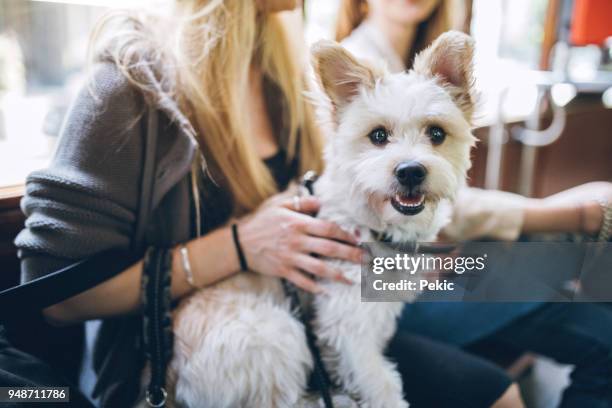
(320, 375)
(157, 321)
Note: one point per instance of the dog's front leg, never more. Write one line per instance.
(364, 369)
(353, 336)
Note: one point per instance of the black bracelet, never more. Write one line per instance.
(243, 263)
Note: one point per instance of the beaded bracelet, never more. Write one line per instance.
(606, 222)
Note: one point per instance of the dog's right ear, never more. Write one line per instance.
(450, 60)
(340, 74)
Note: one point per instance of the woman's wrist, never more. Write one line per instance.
(221, 253)
(211, 258)
(186, 266)
(238, 247)
(585, 217)
(185, 277)
(592, 217)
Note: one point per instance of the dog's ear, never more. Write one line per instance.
(450, 60)
(339, 73)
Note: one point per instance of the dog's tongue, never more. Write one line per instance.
(412, 200)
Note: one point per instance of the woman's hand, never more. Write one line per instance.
(279, 241)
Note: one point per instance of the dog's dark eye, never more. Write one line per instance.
(436, 134)
(379, 136)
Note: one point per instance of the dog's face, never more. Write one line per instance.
(402, 141)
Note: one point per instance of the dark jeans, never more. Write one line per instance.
(578, 334)
(440, 375)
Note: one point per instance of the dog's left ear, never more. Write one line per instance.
(340, 74)
(450, 60)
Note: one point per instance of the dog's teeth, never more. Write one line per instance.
(409, 202)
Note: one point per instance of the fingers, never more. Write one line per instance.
(301, 281)
(330, 230)
(319, 268)
(280, 198)
(306, 205)
(331, 249)
(313, 226)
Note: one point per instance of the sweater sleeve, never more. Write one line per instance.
(86, 200)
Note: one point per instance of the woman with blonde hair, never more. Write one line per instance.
(184, 143)
(220, 85)
(392, 32)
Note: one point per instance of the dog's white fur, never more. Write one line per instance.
(236, 343)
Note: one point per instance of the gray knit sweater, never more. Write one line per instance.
(86, 201)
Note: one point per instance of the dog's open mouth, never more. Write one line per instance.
(408, 204)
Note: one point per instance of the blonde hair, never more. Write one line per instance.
(201, 59)
(353, 12)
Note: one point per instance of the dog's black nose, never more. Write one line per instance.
(410, 174)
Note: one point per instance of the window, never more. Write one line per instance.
(43, 47)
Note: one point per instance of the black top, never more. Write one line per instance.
(217, 202)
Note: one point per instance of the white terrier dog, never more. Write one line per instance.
(397, 156)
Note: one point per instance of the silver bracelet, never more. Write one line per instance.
(187, 266)
(606, 222)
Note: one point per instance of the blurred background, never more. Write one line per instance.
(528, 53)
(543, 67)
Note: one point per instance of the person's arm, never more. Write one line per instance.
(577, 218)
(573, 210)
(502, 215)
(215, 260)
(86, 203)
(276, 240)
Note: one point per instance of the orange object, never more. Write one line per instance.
(591, 22)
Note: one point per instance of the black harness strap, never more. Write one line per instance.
(320, 375)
